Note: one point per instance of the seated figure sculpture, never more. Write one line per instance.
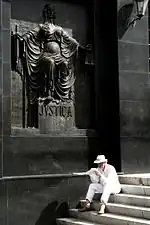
(49, 63)
(51, 54)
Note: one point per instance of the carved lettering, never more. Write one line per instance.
(57, 111)
(69, 112)
(64, 111)
(41, 111)
(49, 110)
(45, 109)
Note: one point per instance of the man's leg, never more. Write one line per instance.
(108, 189)
(106, 193)
(104, 198)
(93, 188)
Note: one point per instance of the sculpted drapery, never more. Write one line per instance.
(50, 55)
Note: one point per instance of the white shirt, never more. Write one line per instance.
(108, 175)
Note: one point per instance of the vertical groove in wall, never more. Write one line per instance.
(1, 14)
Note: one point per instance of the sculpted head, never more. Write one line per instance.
(49, 14)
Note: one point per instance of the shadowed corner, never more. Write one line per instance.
(62, 210)
(48, 215)
(53, 211)
(124, 18)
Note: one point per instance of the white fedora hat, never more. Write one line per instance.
(100, 159)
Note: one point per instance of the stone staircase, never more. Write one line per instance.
(130, 207)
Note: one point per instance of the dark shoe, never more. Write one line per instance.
(85, 206)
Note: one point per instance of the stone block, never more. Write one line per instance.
(81, 184)
(29, 201)
(138, 34)
(6, 14)
(0, 13)
(6, 43)
(142, 179)
(131, 200)
(3, 203)
(134, 86)
(1, 156)
(39, 155)
(6, 79)
(1, 94)
(0, 42)
(56, 117)
(128, 210)
(106, 218)
(135, 155)
(133, 57)
(6, 115)
(16, 111)
(135, 189)
(135, 118)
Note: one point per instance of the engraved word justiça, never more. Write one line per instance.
(48, 110)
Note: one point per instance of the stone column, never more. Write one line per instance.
(1, 151)
(6, 67)
(107, 80)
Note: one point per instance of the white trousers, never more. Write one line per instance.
(105, 190)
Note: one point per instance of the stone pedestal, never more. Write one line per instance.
(56, 117)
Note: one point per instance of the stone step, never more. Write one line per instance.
(135, 189)
(129, 210)
(107, 218)
(128, 199)
(136, 179)
(73, 221)
(121, 209)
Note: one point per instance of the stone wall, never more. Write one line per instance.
(134, 93)
(25, 152)
(29, 201)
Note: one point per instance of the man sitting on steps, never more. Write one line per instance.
(104, 180)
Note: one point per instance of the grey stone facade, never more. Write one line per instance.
(26, 152)
(135, 97)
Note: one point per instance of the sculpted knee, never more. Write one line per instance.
(51, 61)
(66, 63)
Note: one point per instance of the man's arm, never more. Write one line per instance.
(112, 175)
(89, 172)
(81, 173)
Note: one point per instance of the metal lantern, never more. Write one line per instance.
(141, 6)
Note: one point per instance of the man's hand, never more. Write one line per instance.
(94, 171)
(97, 173)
